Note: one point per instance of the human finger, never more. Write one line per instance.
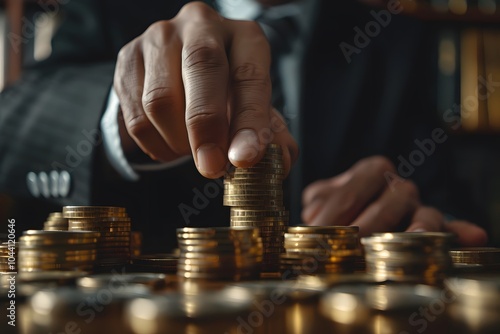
(163, 96)
(468, 234)
(385, 213)
(128, 84)
(426, 219)
(250, 92)
(205, 72)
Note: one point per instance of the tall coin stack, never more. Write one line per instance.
(255, 196)
(322, 249)
(219, 253)
(56, 222)
(409, 256)
(114, 227)
(57, 250)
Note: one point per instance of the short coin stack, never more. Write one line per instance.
(114, 227)
(57, 250)
(255, 196)
(322, 249)
(6, 252)
(410, 257)
(488, 258)
(56, 222)
(219, 253)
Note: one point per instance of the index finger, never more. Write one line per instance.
(205, 77)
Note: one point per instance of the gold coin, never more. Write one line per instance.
(244, 212)
(258, 203)
(305, 229)
(92, 209)
(251, 192)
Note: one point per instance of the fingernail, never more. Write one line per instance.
(245, 146)
(210, 160)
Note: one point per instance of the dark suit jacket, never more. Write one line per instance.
(378, 104)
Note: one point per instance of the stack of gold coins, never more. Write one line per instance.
(135, 243)
(219, 253)
(114, 226)
(155, 263)
(255, 196)
(57, 250)
(412, 256)
(56, 222)
(8, 256)
(321, 249)
(488, 258)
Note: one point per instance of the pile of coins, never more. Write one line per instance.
(114, 227)
(219, 253)
(412, 257)
(56, 222)
(322, 249)
(255, 196)
(57, 250)
(8, 251)
(486, 258)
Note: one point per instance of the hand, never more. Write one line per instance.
(363, 197)
(199, 84)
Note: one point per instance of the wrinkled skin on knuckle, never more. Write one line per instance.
(204, 56)
(250, 75)
(157, 100)
(138, 126)
(199, 115)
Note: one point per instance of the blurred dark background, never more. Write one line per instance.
(467, 81)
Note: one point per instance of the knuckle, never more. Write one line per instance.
(138, 126)
(160, 32)
(251, 113)
(410, 189)
(157, 99)
(251, 75)
(381, 163)
(196, 9)
(198, 116)
(208, 55)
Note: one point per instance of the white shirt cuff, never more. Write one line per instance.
(113, 147)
